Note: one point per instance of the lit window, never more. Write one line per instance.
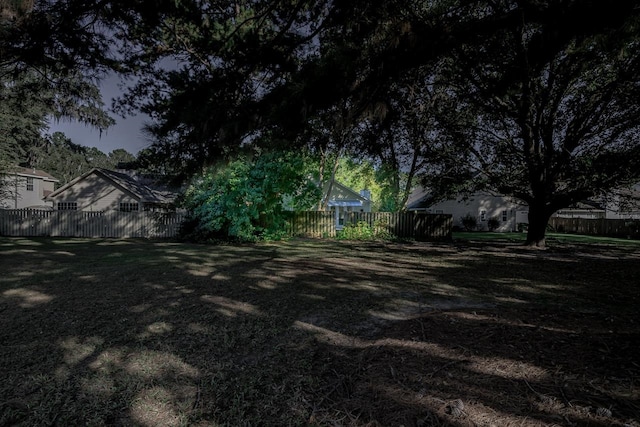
(504, 216)
(67, 206)
(29, 183)
(128, 207)
(483, 215)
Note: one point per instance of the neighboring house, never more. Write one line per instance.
(622, 204)
(104, 190)
(588, 209)
(342, 200)
(625, 205)
(483, 206)
(25, 188)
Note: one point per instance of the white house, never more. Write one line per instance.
(341, 200)
(25, 188)
(483, 206)
(621, 204)
(104, 190)
(625, 205)
(588, 210)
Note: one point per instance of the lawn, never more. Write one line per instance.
(310, 332)
(552, 238)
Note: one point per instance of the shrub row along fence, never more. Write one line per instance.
(410, 225)
(32, 223)
(625, 228)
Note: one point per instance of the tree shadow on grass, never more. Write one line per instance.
(139, 333)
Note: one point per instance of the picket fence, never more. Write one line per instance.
(33, 223)
(412, 225)
(625, 228)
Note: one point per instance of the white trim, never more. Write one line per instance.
(345, 203)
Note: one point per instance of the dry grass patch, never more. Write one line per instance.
(318, 333)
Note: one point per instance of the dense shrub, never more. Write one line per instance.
(363, 231)
(246, 199)
(469, 222)
(493, 223)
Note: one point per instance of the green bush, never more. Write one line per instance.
(493, 223)
(469, 222)
(363, 231)
(247, 199)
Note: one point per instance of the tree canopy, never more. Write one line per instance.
(49, 68)
(534, 99)
(549, 120)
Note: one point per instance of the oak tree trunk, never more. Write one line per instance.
(538, 219)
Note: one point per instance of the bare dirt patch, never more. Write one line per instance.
(318, 333)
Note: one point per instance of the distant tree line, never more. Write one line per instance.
(66, 160)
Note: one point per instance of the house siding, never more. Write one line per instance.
(341, 193)
(581, 213)
(94, 193)
(342, 201)
(18, 197)
(493, 206)
(624, 214)
(625, 209)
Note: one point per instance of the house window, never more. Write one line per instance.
(67, 206)
(483, 215)
(129, 207)
(504, 216)
(439, 211)
(29, 183)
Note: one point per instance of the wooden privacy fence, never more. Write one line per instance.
(311, 224)
(115, 224)
(413, 225)
(32, 223)
(625, 228)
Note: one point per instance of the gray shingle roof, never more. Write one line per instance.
(35, 173)
(142, 192)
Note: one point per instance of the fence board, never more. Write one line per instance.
(419, 226)
(624, 228)
(33, 223)
(311, 224)
(115, 224)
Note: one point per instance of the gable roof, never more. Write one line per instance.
(343, 196)
(585, 205)
(31, 172)
(352, 194)
(419, 198)
(142, 191)
(125, 182)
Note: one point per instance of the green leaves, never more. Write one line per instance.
(246, 198)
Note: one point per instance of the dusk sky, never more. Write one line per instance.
(126, 133)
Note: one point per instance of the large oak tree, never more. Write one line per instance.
(554, 111)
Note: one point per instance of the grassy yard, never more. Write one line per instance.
(552, 238)
(472, 333)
